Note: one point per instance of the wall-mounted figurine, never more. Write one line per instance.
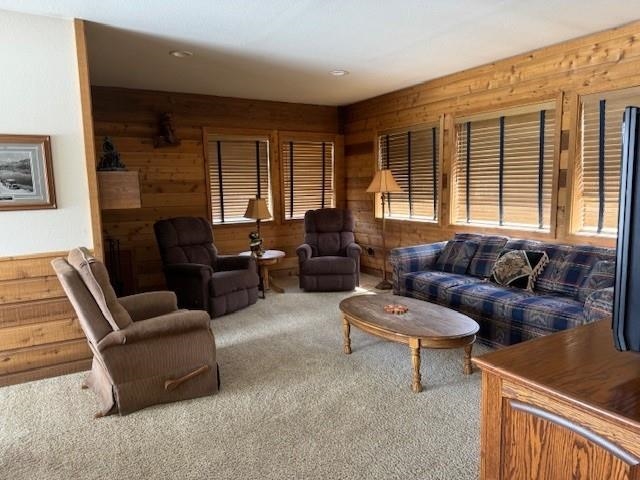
(166, 135)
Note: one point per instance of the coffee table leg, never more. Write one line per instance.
(414, 345)
(346, 329)
(467, 367)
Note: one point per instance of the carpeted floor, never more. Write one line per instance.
(292, 405)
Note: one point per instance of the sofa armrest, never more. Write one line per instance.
(354, 250)
(599, 305)
(304, 252)
(197, 270)
(235, 262)
(413, 259)
(150, 304)
(174, 323)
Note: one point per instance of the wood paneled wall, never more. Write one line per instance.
(600, 62)
(172, 179)
(39, 332)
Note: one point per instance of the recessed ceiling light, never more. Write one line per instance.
(338, 73)
(181, 53)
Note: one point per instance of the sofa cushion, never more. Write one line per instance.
(328, 265)
(546, 312)
(96, 278)
(456, 256)
(484, 298)
(601, 275)
(488, 251)
(519, 268)
(432, 284)
(223, 283)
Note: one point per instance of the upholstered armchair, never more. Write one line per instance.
(329, 259)
(145, 350)
(201, 278)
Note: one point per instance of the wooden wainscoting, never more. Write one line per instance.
(39, 332)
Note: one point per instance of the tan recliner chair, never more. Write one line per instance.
(145, 350)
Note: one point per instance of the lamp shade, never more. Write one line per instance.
(383, 182)
(257, 209)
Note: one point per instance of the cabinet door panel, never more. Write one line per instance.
(540, 445)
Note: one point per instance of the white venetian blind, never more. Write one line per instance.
(412, 157)
(504, 169)
(238, 170)
(598, 167)
(308, 176)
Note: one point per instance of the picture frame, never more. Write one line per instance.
(26, 173)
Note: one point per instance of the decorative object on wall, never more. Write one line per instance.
(383, 183)
(257, 209)
(110, 158)
(26, 173)
(166, 136)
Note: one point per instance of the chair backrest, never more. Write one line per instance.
(185, 240)
(328, 231)
(93, 323)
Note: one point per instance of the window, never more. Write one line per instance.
(597, 179)
(413, 158)
(238, 169)
(504, 169)
(308, 176)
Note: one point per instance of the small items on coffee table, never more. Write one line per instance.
(423, 325)
(396, 309)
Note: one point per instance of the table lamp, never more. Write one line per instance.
(383, 183)
(257, 209)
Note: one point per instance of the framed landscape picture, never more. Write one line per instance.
(26, 175)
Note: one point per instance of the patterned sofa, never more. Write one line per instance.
(568, 292)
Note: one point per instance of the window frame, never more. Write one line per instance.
(544, 103)
(574, 226)
(438, 123)
(250, 135)
(337, 180)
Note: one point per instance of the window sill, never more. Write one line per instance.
(248, 223)
(416, 220)
(526, 233)
(592, 239)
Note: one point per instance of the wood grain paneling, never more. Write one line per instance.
(39, 332)
(172, 179)
(600, 62)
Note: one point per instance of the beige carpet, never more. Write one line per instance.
(292, 405)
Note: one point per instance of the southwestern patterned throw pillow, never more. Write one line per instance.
(602, 275)
(455, 256)
(519, 268)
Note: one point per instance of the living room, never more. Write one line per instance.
(291, 403)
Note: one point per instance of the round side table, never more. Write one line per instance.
(268, 259)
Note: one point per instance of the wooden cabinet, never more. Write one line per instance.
(565, 406)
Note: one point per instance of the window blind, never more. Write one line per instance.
(504, 170)
(412, 156)
(238, 170)
(598, 162)
(308, 176)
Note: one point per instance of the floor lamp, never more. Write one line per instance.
(383, 183)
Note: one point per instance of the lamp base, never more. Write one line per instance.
(384, 285)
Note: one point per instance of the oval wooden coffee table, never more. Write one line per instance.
(425, 325)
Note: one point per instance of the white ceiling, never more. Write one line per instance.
(284, 49)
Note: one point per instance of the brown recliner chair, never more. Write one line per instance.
(145, 350)
(201, 278)
(329, 259)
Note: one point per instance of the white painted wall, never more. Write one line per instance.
(40, 95)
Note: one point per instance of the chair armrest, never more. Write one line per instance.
(150, 304)
(190, 270)
(174, 323)
(354, 250)
(304, 252)
(413, 259)
(235, 262)
(599, 305)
